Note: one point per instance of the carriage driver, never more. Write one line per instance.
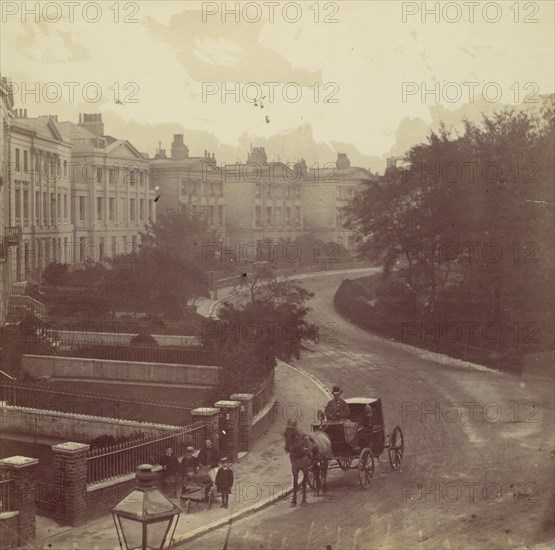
(337, 408)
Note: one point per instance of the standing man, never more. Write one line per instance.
(209, 459)
(337, 408)
(170, 472)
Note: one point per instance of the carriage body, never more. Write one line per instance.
(361, 437)
(360, 430)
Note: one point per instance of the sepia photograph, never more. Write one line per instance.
(277, 275)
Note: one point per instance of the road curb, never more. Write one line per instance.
(200, 531)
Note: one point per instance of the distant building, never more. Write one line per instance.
(193, 181)
(325, 196)
(72, 194)
(264, 200)
(39, 199)
(112, 199)
(9, 237)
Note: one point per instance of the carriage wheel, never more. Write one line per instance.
(365, 467)
(344, 463)
(310, 478)
(396, 448)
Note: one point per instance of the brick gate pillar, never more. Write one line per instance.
(210, 417)
(229, 422)
(70, 478)
(245, 419)
(21, 471)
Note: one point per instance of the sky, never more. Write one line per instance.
(337, 70)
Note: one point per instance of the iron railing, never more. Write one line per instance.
(122, 459)
(6, 493)
(127, 352)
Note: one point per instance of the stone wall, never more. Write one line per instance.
(121, 338)
(124, 371)
(72, 427)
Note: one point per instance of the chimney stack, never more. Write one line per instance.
(93, 123)
(179, 150)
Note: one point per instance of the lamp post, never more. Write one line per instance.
(145, 519)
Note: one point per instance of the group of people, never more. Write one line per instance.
(207, 469)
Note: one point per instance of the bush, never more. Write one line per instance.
(143, 339)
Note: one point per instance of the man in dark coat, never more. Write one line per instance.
(337, 408)
(170, 472)
(209, 456)
(224, 481)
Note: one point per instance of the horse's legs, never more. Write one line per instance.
(295, 485)
(303, 486)
(316, 470)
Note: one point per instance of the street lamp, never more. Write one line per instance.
(145, 519)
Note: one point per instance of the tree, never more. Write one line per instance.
(457, 224)
(253, 334)
(167, 273)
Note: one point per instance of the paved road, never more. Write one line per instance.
(476, 476)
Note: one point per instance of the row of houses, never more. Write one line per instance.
(71, 193)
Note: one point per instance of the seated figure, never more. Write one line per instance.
(337, 408)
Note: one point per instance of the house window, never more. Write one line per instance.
(59, 208)
(99, 208)
(81, 209)
(141, 178)
(37, 207)
(132, 209)
(52, 207)
(221, 214)
(268, 215)
(297, 191)
(297, 215)
(101, 248)
(17, 160)
(26, 205)
(113, 175)
(25, 161)
(257, 190)
(142, 209)
(288, 215)
(82, 246)
(99, 175)
(44, 208)
(112, 208)
(134, 243)
(17, 204)
(278, 215)
(257, 217)
(114, 247)
(65, 206)
(150, 207)
(132, 175)
(268, 191)
(65, 168)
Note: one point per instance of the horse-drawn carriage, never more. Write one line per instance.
(357, 441)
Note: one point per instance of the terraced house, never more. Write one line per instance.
(71, 194)
(111, 196)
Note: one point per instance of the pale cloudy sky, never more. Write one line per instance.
(361, 57)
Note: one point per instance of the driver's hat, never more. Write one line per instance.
(336, 390)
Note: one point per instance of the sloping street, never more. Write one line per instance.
(478, 464)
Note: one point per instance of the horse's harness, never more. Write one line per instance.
(304, 448)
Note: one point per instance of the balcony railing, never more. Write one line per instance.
(12, 235)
